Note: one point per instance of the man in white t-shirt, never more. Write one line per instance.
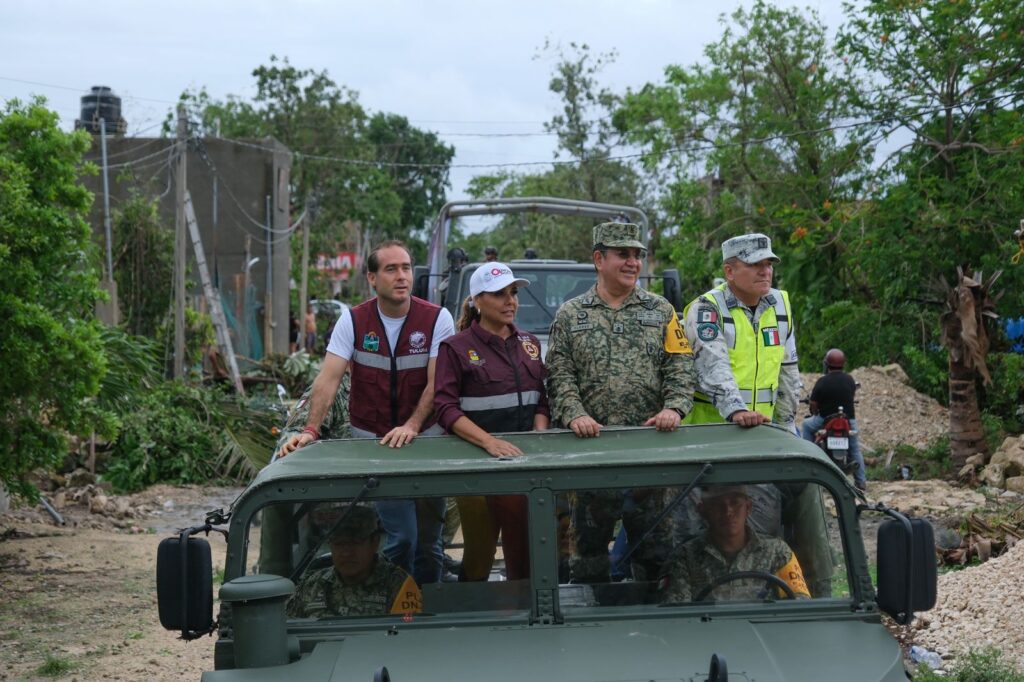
(390, 343)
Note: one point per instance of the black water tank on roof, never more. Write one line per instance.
(101, 102)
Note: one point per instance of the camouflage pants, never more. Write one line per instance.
(594, 514)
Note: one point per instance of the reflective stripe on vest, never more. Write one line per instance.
(754, 362)
(498, 402)
(384, 362)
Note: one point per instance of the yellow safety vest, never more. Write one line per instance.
(754, 355)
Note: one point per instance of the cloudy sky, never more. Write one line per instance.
(468, 70)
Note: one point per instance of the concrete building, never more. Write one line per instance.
(240, 191)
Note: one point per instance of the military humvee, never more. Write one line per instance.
(543, 627)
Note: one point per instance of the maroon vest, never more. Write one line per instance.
(387, 383)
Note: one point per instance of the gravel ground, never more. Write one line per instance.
(977, 607)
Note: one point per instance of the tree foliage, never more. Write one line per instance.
(584, 170)
(51, 346)
(750, 140)
(366, 176)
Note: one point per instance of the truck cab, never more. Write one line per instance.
(552, 282)
(544, 626)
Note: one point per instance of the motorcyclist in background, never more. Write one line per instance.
(832, 391)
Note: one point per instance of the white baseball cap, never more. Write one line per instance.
(494, 276)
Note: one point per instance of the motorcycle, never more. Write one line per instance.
(834, 438)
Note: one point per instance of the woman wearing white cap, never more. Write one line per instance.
(490, 379)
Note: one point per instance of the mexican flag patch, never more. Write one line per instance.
(771, 336)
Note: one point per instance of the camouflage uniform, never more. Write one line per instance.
(704, 328)
(335, 423)
(714, 373)
(275, 544)
(389, 589)
(698, 563)
(613, 365)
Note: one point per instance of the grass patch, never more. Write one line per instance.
(218, 576)
(134, 635)
(55, 667)
(983, 665)
(931, 462)
(840, 583)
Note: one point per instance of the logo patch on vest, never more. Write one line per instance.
(771, 336)
(474, 357)
(371, 342)
(531, 349)
(581, 315)
(707, 331)
(708, 315)
(418, 340)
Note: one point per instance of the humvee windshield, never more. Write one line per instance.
(792, 550)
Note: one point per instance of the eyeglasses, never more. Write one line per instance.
(625, 254)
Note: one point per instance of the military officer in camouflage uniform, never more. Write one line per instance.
(731, 545)
(360, 581)
(617, 356)
(743, 341)
(744, 345)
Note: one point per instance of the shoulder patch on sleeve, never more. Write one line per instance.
(706, 331)
(675, 339)
(707, 313)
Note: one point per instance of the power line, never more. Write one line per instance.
(707, 146)
(80, 90)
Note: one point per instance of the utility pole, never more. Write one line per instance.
(304, 287)
(268, 305)
(109, 312)
(180, 246)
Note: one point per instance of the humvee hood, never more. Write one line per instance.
(659, 650)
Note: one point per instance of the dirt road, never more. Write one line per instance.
(80, 600)
(84, 598)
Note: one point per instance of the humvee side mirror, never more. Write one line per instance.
(907, 572)
(673, 288)
(421, 282)
(184, 585)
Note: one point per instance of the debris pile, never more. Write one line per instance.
(1005, 469)
(978, 607)
(889, 412)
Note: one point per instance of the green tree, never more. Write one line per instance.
(950, 78)
(584, 166)
(51, 346)
(367, 177)
(752, 139)
(143, 265)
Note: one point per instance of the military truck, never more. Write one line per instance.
(552, 282)
(544, 627)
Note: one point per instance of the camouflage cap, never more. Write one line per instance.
(749, 248)
(360, 523)
(710, 492)
(618, 235)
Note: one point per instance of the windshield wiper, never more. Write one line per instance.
(539, 304)
(633, 546)
(371, 484)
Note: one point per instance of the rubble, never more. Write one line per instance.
(978, 607)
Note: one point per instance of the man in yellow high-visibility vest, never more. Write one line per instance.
(743, 340)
